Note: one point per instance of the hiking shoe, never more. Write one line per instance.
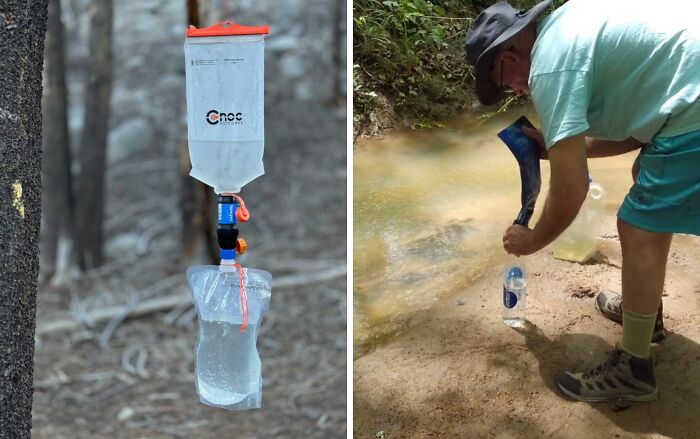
(622, 376)
(610, 305)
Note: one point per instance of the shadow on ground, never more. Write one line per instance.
(464, 376)
(677, 369)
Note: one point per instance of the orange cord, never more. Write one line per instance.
(243, 296)
(242, 213)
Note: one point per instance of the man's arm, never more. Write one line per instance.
(594, 147)
(568, 187)
(607, 148)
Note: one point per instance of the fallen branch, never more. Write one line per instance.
(100, 315)
(116, 320)
(296, 280)
(172, 301)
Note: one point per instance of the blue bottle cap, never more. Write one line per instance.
(515, 273)
(227, 254)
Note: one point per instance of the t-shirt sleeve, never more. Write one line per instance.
(561, 100)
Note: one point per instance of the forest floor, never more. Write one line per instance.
(456, 371)
(132, 376)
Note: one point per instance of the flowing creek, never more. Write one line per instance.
(430, 208)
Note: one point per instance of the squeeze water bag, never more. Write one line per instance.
(231, 302)
(527, 153)
(224, 73)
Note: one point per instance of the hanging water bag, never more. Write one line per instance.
(231, 302)
(225, 104)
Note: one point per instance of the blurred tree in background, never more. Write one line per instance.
(93, 144)
(73, 204)
(57, 197)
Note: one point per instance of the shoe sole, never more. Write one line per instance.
(655, 338)
(630, 398)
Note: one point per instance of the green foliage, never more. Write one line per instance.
(409, 51)
(412, 52)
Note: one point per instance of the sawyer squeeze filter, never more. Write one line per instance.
(527, 153)
(224, 73)
(226, 231)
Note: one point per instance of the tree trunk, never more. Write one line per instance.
(93, 145)
(57, 199)
(197, 202)
(22, 30)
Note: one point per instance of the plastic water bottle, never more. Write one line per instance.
(514, 296)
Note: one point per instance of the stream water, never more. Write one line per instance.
(430, 208)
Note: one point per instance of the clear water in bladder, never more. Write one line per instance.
(228, 365)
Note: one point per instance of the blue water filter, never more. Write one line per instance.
(527, 153)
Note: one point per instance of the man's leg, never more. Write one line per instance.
(609, 303)
(629, 373)
(644, 257)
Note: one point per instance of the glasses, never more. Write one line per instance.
(500, 82)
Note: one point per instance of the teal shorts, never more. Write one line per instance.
(666, 194)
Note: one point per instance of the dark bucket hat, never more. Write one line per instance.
(492, 27)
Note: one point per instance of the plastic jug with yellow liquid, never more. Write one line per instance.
(578, 243)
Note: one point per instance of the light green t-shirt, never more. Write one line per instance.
(614, 69)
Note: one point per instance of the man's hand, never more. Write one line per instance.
(538, 137)
(519, 240)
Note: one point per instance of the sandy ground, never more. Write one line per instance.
(457, 371)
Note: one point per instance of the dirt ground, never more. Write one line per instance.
(456, 371)
(133, 377)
